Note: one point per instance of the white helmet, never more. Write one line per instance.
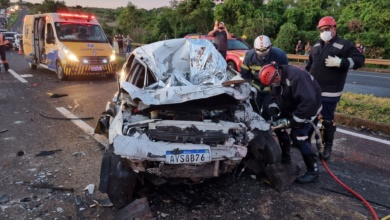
(262, 45)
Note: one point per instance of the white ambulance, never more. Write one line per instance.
(70, 44)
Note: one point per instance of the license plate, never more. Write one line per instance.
(187, 156)
(96, 68)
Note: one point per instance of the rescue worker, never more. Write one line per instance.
(329, 62)
(3, 43)
(262, 54)
(299, 97)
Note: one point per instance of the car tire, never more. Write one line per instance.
(232, 65)
(264, 149)
(32, 66)
(60, 72)
(122, 182)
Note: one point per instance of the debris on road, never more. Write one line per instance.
(90, 188)
(62, 118)
(79, 154)
(4, 130)
(47, 152)
(78, 200)
(139, 209)
(103, 202)
(4, 198)
(45, 186)
(20, 153)
(55, 95)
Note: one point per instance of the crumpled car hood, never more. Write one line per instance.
(179, 94)
(184, 62)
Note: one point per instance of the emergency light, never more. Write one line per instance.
(75, 16)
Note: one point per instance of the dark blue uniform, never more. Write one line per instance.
(299, 98)
(250, 68)
(332, 79)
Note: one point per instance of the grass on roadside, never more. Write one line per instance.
(365, 106)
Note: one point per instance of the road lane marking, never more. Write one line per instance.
(17, 76)
(104, 141)
(362, 136)
(84, 126)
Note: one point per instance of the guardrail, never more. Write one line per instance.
(304, 57)
(367, 61)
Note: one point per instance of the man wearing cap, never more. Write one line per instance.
(329, 62)
(221, 35)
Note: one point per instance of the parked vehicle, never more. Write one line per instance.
(180, 114)
(69, 44)
(10, 36)
(236, 49)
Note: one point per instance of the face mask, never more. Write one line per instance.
(326, 36)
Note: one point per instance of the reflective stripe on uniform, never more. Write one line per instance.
(245, 67)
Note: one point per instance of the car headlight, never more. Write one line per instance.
(112, 57)
(242, 58)
(70, 55)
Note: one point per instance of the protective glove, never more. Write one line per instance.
(333, 61)
(273, 110)
(295, 124)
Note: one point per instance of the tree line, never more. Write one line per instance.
(364, 22)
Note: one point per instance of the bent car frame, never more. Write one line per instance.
(179, 114)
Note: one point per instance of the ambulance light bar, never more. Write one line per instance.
(79, 16)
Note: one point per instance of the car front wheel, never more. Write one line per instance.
(232, 65)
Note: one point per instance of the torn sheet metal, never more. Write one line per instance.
(173, 95)
(184, 62)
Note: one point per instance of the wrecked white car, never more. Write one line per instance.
(179, 114)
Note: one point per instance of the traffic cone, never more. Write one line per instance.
(20, 50)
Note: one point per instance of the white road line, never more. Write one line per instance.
(17, 76)
(84, 126)
(363, 136)
(104, 141)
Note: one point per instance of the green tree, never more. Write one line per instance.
(48, 6)
(287, 37)
(4, 3)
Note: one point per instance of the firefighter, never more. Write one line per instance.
(262, 54)
(3, 42)
(299, 97)
(329, 62)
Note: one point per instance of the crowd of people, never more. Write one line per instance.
(122, 44)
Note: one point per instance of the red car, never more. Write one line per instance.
(237, 48)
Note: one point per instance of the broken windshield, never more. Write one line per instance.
(76, 32)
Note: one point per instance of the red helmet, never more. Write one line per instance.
(327, 21)
(268, 73)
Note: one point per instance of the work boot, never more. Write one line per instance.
(311, 176)
(327, 138)
(327, 152)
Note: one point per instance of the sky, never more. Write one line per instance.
(147, 4)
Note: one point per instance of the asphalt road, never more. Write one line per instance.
(361, 160)
(364, 82)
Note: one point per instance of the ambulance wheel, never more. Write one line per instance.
(60, 72)
(32, 66)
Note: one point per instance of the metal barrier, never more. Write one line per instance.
(367, 61)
